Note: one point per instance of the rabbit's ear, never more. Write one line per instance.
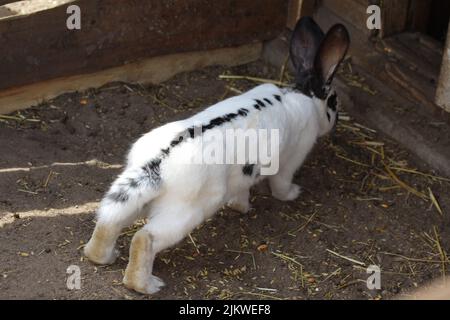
(305, 43)
(331, 52)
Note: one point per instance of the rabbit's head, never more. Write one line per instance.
(316, 57)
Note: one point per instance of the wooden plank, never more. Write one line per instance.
(298, 9)
(352, 11)
(152, 70)
(327, 18)
(294, 13)
(443, 90)
(419, 15)
(27, 7)
(40, 47)
(411, 53)
(394, 16)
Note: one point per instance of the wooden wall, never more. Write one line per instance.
(39, 46)
(397, 15)
(443, 90)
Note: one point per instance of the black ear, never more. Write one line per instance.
(305, 43)
(331, 52)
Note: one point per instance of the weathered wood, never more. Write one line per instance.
(416, 86)
(419, 15)
(294, 13)
(443, 90)
(327, 18)
(412, 53)
(39, 46)
(352, 11)
(26, 7)
(298, 9)
(394, 16)
(152, 70)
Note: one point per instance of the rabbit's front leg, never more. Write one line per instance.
(283, 189)
(281, 184)
(240, 202)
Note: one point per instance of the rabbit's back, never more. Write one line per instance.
(186, 174)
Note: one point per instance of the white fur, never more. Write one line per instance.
(189, 194)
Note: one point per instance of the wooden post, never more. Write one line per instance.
(443, 90)
(394, 16)
(297, 9)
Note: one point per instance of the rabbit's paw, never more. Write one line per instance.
(99, 255)
(292, 193)
(240, 206)
(151, 286)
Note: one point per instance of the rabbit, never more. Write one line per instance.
(161, 184)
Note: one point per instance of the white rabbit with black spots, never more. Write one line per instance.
(162, 183)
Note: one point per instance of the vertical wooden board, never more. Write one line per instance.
(352, 11)
(327, 18)
(294, 11)
(40, 47)
(394, 16)
(443, 90)
(298, 9)
(419, 15)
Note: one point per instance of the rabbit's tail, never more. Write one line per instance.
(132, 190)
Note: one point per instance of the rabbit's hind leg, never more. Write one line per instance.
(112, 218)
(164, 230)
(122, 205)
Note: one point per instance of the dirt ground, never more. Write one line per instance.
(366, 201)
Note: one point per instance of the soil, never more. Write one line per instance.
(365, 201)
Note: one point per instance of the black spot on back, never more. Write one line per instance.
(217, 122)
(230, 116)
(152, 171)
(165, 151)
(276, 96)
(243, 112)
(191, 131)
(268, 101)
(118, 196)
(247, 170)
(260, 103)
(133, 183)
